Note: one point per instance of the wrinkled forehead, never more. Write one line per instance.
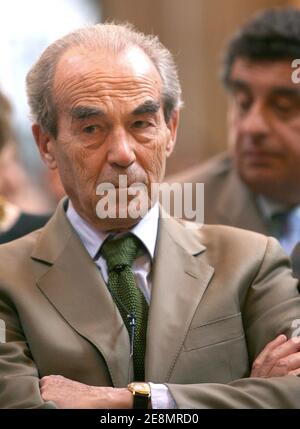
(81, 73)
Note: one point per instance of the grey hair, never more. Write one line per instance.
(111, 36)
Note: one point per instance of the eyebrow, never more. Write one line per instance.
(86, 112)
(148, 106)
(283, 90)
(235, 85)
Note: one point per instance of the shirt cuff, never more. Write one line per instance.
(161, 397)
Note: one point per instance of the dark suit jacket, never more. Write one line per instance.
(25, 224)
(295, 257)
(227, 201)
(219, 294)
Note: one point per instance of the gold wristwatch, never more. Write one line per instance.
(141, 394)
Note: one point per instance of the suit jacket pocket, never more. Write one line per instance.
(215, 332)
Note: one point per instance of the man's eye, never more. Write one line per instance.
(242, 101)
(284, 106)
(91, 129)
(142, 124)
(243, 104)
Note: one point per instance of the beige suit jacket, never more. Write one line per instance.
(219, 295)
(227, 201)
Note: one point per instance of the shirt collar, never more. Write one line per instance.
(92, 239)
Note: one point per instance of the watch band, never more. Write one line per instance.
(140, 402)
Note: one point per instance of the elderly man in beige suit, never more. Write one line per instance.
(184, 320)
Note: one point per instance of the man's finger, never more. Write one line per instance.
(295, 372)
(262, 364)
(275, 361)
(285, 365)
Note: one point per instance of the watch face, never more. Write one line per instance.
(141, 388)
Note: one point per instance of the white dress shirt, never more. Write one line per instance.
(146, 231)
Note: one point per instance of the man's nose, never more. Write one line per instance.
(255, 121)
(120, 149)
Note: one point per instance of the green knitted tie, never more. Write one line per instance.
(120, 255)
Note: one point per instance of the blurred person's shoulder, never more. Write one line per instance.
(30, 222)
(23, 225)
(215, 169)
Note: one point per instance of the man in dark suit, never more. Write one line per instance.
(255, 185)
(94, 302)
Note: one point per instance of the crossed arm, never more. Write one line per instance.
(67, 393)
(279, 358)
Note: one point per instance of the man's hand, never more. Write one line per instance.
(67, 393)
(280, 357)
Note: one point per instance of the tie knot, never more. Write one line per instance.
(278, 223)
(120, 252)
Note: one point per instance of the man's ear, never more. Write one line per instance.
(232, 131)
(45, 145)
(172, 126)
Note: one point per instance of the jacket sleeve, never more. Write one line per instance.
(271, 307)
(19, 378)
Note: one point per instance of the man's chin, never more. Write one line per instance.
(268, 184)
(259, 174)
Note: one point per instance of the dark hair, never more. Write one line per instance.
(271, 35)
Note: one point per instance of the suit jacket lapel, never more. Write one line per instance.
(237, 206)
(71, 281)
(66, 274)
(178, 283)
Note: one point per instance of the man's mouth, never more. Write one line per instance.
(260, 154)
